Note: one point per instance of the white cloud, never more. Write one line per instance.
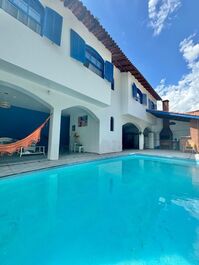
(160, 11)
(190, 50)
(185, 95)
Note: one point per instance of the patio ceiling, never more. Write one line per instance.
(19, 99)
(173, 115)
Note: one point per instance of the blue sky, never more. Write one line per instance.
(161, 37)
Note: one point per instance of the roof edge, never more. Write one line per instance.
(180, 115)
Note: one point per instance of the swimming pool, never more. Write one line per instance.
(133, 210)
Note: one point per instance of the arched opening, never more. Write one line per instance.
(130, 136)
(82, 129)
(21, 113)
(94, 61)
(146, 138)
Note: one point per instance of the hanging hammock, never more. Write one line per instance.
(33, 138)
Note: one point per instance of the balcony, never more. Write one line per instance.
(132, 103)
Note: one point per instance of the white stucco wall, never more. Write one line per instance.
(36, 54)
(130, 105)
(89, 135)
(33, 65)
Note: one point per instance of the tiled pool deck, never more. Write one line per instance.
(14, 166)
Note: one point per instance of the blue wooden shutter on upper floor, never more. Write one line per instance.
(134, 91)
(149, 103)
(77, 47)
(108, 71)
(139, 96)
(36, 11)
(144, 99)
(52, 27)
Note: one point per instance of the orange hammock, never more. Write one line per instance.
(33, 138)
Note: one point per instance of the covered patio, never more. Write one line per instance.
(180, 130)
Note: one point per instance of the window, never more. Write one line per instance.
(85, 54)
(29, 12)
(144, 99)
(138, 95)
(112, 124)
(152, 105)
(94, 61)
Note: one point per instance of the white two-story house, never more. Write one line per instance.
(56, 59)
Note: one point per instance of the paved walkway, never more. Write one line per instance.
(12, 166)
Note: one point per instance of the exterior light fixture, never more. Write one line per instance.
(3, 102)
(5, 105)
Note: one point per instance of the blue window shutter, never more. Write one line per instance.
(77, 47)
(113, 85)
(108, 71)
(134, 91)
(141, 98)
(52, 27)
(38, 11)
(149, 103)
(144, 99)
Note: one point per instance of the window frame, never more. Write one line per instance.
(24, 16)
(89, 62)
(152, 105)
(139, 96)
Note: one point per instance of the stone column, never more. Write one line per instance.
(151, 140)
(54, 134)
(157, 139)
(141, 141)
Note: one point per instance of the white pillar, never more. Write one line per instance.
(151, 140)
(141, 141)
(54, 135)
(157, 139)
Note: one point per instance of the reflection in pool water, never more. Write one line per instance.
(133, 210)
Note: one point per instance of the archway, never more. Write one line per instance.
(21, 113)
(82, 128)
(130, 136)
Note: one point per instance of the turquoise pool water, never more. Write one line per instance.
(134, 210)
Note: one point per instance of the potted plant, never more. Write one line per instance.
(76, 137)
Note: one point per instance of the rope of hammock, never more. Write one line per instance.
(32, 138)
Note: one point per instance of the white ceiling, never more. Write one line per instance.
(19, 99)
